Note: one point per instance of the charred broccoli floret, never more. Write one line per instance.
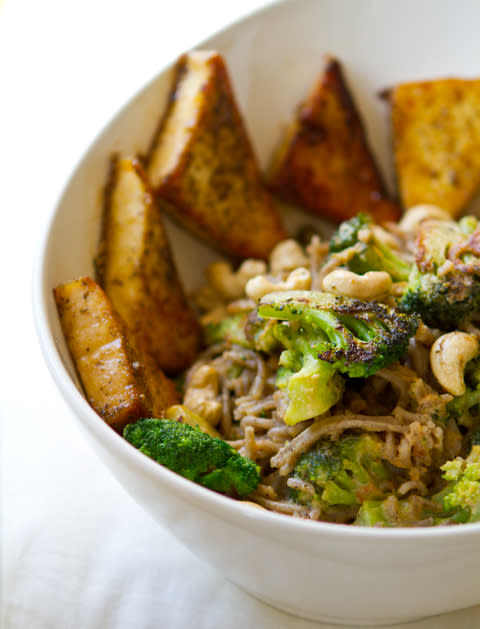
(344, 472)
(325, 336)
(206, 460)
(444, 284)
(373, 254)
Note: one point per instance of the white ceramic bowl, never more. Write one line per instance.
(316, 570)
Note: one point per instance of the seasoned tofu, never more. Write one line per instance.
(137, 271)
(325, 163)
(202, 165)
(436, 139)
(117, 384)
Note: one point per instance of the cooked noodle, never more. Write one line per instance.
(398, 405)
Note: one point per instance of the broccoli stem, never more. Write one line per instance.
(311, 391)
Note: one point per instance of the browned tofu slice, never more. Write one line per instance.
(436, 135)
(202, 165)
(325, 163)
(137, 271)
(116, 383)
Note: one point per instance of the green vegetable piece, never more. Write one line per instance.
(356, 337)
(393, 512)
(465, 408)
(229, 330)
(444, 284)
(475, 438)
(245, 329)
(343, 472)
(373, 513)
(461, 496)
(325, 336)
(373, 254)
(206, 460)
(442, 302)
(311, 391)
(458, 502)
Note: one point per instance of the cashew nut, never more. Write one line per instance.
(448, 357)
(369, 286)
(216, 315)
(230, 284)
(418, 213)
(257, 287)
(287, 255)
(201, 395)
(250, 268)
(385, 237)
(251, 504)
(364, 234)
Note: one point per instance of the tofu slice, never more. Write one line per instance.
(202, 165)
(436, 140)
(118, 386)
(324, 162)
(137, 271)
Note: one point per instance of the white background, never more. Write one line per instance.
(77, 552)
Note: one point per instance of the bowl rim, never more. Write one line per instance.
(224, 507)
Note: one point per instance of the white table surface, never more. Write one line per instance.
(77, 552)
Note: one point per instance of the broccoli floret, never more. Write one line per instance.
(444, 284)
(394, 512)
(461, 496)
(206, 460)
(475, 438)
(373, 254)
(373, 513)
(313, 386)
(343, 472)
(325, 336)
(465, 408)
(457, 503)
(229, 330)
(357, 337)
(245, 329)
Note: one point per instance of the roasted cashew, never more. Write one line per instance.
(249, 503)
(385, 237)
(448, 357)
(257, 287)
(286, 256)
(230, 284)
(201, 395)
(369, 286)
(418, 213)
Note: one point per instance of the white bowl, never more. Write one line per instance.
(316, 570)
